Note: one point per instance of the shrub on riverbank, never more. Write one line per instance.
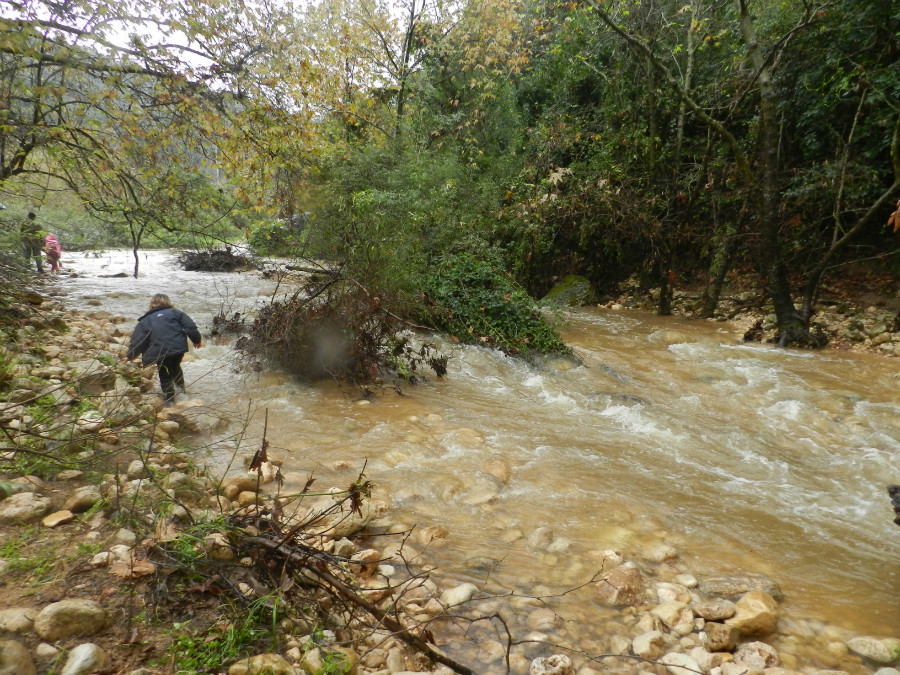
(283, 237)
(338, 328)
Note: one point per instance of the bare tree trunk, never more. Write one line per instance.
(666, 289)
(652, 113)
(726, 242)
(688, 85)
(792, 326)
(405, 59)
(136, 235)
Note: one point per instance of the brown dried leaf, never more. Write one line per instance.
(165, 531)
(259, 457)
(121, 569)
(132, 570)
(106, 592)
(207, 586)
(142, 568)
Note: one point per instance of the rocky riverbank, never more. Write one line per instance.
(122, 552)
(848, 318)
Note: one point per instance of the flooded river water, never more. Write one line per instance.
(740, 456)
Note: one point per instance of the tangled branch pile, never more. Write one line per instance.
(215, 260)
(894, 493)
(336, 328)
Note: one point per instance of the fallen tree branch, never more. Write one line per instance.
(349, 594)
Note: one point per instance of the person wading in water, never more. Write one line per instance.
(161, 337)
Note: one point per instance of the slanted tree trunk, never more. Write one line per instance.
(667, 277)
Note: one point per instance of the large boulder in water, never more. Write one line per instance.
(571, 291)
(756, 614)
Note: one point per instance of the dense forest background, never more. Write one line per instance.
(448, 145)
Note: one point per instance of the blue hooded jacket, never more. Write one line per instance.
(162, 332)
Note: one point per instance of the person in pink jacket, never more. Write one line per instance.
(53, 251)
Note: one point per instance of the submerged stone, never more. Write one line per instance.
(879, 651)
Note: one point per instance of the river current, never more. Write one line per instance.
(740, 456)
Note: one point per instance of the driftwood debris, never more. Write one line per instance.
(302, 556)
(215, 260)
(284, 548)
(291, 562)
(336, 328)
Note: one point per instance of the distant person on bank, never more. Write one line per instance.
(161, 337)
(32, 241)
(54, 252)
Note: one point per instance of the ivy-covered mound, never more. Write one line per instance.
(476, 302)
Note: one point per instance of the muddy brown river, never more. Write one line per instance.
(742, 457)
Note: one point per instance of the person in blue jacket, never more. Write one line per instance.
(161, 337)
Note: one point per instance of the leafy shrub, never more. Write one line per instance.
(475, 301)
(282, 237)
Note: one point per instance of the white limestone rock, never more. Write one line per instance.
(458, 595)
(884, 651)
(558, 664)
(15, 659)
(85, 659)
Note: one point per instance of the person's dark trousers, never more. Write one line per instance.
(34, 252)
(170, 375)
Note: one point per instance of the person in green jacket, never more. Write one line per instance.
(32, 240)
